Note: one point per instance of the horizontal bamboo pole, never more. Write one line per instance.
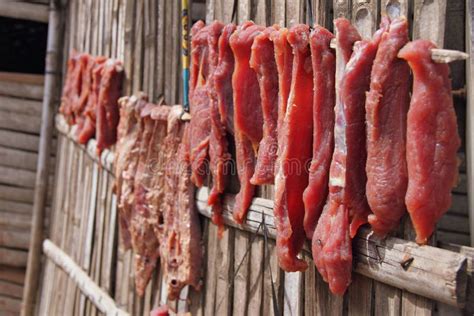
(87, 286)
(24, 11)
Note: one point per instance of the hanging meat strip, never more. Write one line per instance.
(386, 115)
(107, 107)
(294, 148)
(324, 64)
(68, 89)
(73, 88)
(203, 65)
(126, 160)
(87, 128)
(432, 140)
(222, 108)
(346, 208)
(181, 248)
(262, 60)
(144, 242)
(248, 119)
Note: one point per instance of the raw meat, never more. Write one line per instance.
(262, 60)
(386, 116)
(181, 248)
(324, 63)
(248, 120)
(73, 87)
(144, 242)
(294, 148)
(202, 67)
(432, 140)
(221, 123)
(346, 208)
(107, 107)
(284, 63)
(87, 128)
(126, 159)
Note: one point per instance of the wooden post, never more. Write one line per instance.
(470, 114)
(50, 99)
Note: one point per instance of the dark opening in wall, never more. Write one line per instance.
(22, 45)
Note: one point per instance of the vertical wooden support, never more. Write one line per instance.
(470, 112)
(342, 9)
(50, 99)
(430, 19)
(364, 17)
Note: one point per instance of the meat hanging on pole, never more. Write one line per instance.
(248, 119)
(222, 108)
(386, 116)
(293, 156)
(346, 208)
(262, 61)
(432, 140)
(203, 64)
(324, 63)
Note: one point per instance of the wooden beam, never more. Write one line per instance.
(470, 113)
(13, 257)
(97, 296)
(24, 11)
(22, 78)
(21, 90)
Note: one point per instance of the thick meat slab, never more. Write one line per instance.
(294, 148)
(432, 140)
(346, 208)
(203, 64)
(181, 246)
(144, 242)
(248, 119)
(107, 107)
(222, 108)
(324, 68)
(73, 87)
(126, 160)
(386, 116)
(262, 60)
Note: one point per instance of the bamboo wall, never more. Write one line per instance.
(145, 34)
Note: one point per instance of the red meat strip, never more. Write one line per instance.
(68, 89)
(324, 63)
(262, 60)
(221, 123)
(181, 247)
(203, 65)
(87, 128)
(73, 87)
(295, 143)
(107, 107)
(386, 116)
(144, 242)
(346, 208)
(126, 160)
(248, 120)
(432, 140)
(284, 63)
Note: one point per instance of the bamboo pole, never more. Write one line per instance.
(50, 99)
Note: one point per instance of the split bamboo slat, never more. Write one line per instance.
(241, 273)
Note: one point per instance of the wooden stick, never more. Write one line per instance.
(97, 296)
(27, 11)
(51, 95)
(428, 271)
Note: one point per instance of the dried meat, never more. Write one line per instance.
(324, 63)
(248, 120)
(386, 116)
(293, 156)
(432, 140)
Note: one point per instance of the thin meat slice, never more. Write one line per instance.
(107, 106)
(262, 60)
(221, 123)
(204, 39)
(346, 208)
(386, 116)
(126, 160)
(87, 128)
(248, 119)
(294, 148)
(324, 63)
(73, 87)
(432, 140)
(284, 63)
(144, 242)
(68, 89)
(181, 247)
